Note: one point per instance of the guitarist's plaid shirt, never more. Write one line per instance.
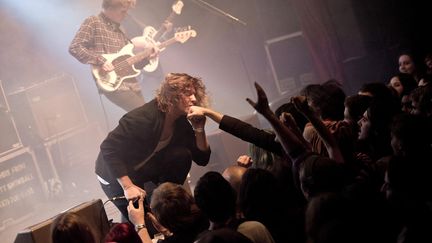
(99, 35)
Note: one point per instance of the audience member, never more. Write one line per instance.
(421, 101)
(217, 199)
(410, 65)
(175, 209)
(69, 227)
(327, 102)
(123, 233)
(408, 189)
(403, 84)
(261, 200)
(355, 106)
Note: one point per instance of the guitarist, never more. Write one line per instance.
(102, 34)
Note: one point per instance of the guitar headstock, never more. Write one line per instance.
(177, 7)
(183, 34)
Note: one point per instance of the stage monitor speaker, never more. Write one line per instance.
(48, 109)
(93, 212)
(290, 62)
(21, 185)
(72, 157)
(9, 139)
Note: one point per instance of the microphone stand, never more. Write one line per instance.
(207, 5)
(233, 19)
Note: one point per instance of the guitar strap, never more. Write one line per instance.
(124, 35)
(114, 26)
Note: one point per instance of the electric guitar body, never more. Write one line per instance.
(110, 81)
(124, 60)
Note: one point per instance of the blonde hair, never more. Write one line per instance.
(176, 84)
(106, 4)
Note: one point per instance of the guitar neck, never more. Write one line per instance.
(161, 29)
(139, 56)
(170, 18)
(167, 43)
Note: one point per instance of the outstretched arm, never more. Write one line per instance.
(240, 129)
(330, 143)
(291, 143)
(202, 111)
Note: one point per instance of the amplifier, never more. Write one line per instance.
(47, 109)
(92, 212)
(21, 185)
(73, 156)
(9, 139)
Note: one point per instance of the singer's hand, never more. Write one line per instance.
(196, 117)
(133, 192)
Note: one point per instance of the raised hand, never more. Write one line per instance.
(244, 161)
(133, 192)
(301, 104)
(261, 105)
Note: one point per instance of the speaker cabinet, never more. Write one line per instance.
(290, 62)
(21, 185)
(47, 109)
(73, 155)
(9, 139)
(92, 212)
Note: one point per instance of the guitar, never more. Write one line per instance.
(124, 60)
(152, 35)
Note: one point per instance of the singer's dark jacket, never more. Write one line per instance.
(136, 137)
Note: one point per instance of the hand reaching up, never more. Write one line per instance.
(244, 161)
(261, 105)
(301, 104)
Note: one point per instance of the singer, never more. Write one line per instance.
(155, 142)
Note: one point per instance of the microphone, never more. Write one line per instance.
(117, 198)
(135, 202)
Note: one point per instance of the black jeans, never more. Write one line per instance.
(171, 164)
(126, 99)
